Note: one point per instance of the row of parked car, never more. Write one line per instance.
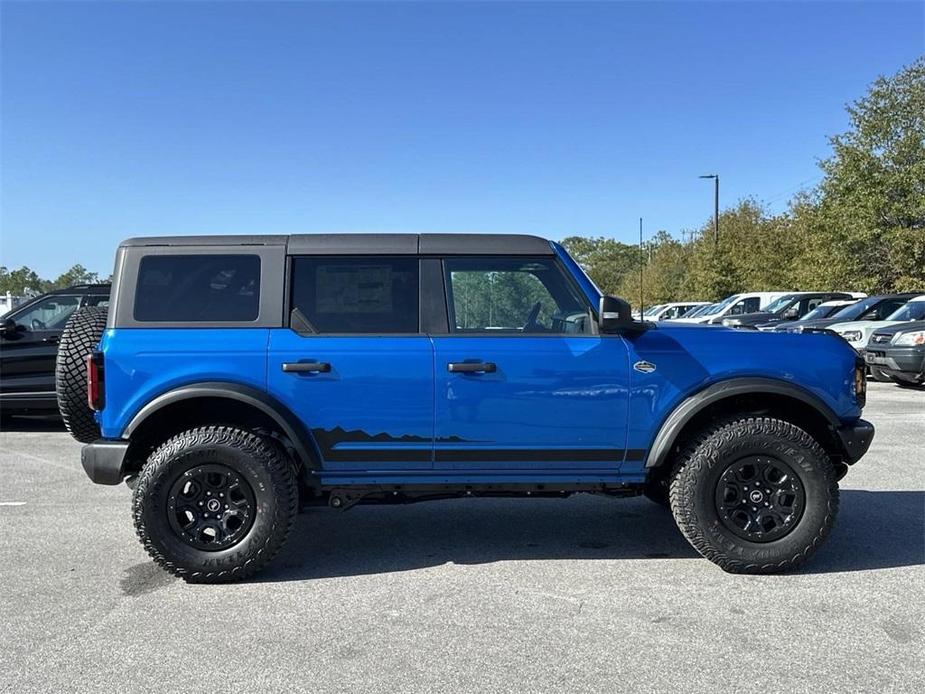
(888, 330)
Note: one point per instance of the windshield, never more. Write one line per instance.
(825, 310)
(696, 311)
(914, 310)
(716, 308)
(854, 310)
(780, 304)
(655, 309)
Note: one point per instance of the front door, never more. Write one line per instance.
(522, 381)
(27, 354)
(354, 366)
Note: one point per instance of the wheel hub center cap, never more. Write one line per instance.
(756, 496)
(213, 505)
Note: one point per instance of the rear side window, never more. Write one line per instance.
(357, 294)
(198, 288)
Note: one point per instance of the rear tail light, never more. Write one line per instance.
(95, 380)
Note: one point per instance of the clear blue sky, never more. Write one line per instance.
(556, 119)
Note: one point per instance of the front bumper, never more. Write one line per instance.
(906, 360)
(856, 439)
(104, 460)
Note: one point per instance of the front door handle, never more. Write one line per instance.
(471, 367)
(306, 367)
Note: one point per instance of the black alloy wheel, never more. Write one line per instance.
(211, 507)
(760, 499)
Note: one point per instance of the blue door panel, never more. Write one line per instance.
(142, 363)
(374, 410)
(553, 403)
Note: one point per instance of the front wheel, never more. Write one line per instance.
(215, 504)
(755, 495)
(904, 382)
(879, 375)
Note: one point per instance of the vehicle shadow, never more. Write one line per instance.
(875, 530)
(32, 423)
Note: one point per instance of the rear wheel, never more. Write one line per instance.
(755, 495)
(215, 504)
(81, 336)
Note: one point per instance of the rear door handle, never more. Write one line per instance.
(306, 367)
(471, 367)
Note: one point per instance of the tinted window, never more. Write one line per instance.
(50, 313)
(198, 288)
(512, 295)
(357, 294)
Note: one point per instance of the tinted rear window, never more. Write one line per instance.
(357, 294)
(198, 288)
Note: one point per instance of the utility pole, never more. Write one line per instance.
(715, 178)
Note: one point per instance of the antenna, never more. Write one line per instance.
(642, 308)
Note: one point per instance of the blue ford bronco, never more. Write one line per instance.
(235, 380)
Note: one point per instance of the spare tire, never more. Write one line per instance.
(81, 336)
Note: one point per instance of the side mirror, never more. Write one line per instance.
(614, 315)
(792, 312)
(7, 327)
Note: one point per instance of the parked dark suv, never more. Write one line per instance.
(237, 379)
(29, 343)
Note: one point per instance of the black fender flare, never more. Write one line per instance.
(690, 407)
(288, 423)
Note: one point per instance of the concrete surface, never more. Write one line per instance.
(586, 594)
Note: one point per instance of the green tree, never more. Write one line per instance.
(78, 274)
(606, 261)
(868, 224)
(21, 281)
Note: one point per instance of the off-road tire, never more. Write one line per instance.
(904, 382)
(81, 336)
(705, 459)
(259, 460)
(879, 375)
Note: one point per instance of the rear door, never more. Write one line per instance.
(353, 364)
(522, 380)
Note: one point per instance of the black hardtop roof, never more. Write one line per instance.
(378, 244)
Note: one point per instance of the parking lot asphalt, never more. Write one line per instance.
(584, 594)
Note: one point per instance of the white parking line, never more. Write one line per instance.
(12, 503)
(46, 461)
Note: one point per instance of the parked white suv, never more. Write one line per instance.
(674, 310)
(735, 305)
(857, 333)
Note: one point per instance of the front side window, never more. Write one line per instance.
(513, 295)
(50, 313)
(356, 294)
(198, 288)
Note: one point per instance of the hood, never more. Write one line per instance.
(893, 327)
(752, 318)
(858, 325)
(797, 325)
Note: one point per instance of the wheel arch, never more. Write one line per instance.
(751, 395)
(216, 402)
